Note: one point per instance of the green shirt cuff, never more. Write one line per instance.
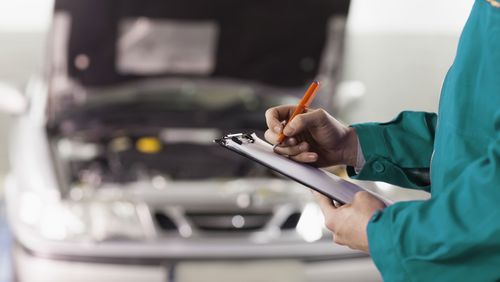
(371, 140)
(378, 163)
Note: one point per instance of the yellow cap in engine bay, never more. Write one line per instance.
(148, 145)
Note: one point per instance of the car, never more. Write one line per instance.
(114, 175)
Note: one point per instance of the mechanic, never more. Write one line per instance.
(455, 155)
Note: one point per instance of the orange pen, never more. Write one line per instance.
(304, 103)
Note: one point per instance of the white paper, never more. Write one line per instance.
(315, 178)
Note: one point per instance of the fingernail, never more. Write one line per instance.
(312, 156)
(277, 129)
(288, 130)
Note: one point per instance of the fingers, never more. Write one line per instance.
(292, 150)
(297, 152)
(315, 118)
(324, 202)
(275, 116)
(329, 210)
(290, 147)
(308, 157)
(272, 137)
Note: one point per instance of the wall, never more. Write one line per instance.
(22, 27)
(401, 51)
(20, 56)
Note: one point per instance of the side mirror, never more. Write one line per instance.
(12, 100)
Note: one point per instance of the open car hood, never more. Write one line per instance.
(278, 46)
(278, 43)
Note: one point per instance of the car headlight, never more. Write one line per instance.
(57, 219)
(311, 223)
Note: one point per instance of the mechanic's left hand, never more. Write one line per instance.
(348, 223)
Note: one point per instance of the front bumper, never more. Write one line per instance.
(30, 266)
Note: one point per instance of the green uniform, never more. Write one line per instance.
(455, 236)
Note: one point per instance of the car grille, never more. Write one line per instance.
(291, 221)
(228, 221)
(165, 222)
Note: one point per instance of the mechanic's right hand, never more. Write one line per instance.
(312, 137)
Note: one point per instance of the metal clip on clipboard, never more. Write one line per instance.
(239, 138)
(258, 150)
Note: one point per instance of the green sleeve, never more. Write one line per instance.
(398, 152)
(452, 237)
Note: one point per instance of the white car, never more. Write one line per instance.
(114, 175)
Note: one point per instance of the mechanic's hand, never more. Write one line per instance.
(312, 137)
(348, 223)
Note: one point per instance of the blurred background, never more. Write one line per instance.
(386, 56)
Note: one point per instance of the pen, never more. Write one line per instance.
(304, 103)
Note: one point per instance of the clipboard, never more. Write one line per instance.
(328, 184)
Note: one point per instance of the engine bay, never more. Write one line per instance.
(136, 134)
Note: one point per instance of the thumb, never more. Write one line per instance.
(310, 119)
